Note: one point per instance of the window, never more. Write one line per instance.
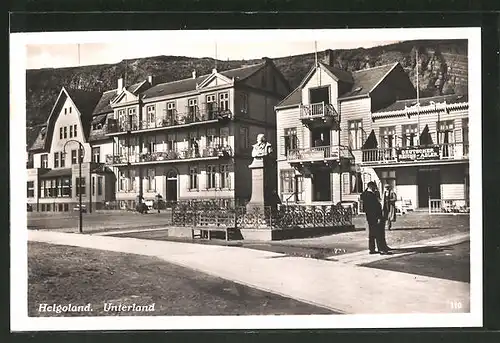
(211, 176)
(224, 136)
(132, 118)
(92, 185)
(81, 187)
(30, 192)
(193, 177)
(44, 160)
(70, 109)
(352, 183)
(96, 154)
(388, 136)
(212, 137)
(62, 158)
(211, 106)
(465, 130)
(244, 138)
(244, 103)
(151, 180)
(171, 112)
(99, 185)
(224, 101)
(65, 111)
(53, 188)
(388, 177)
(193, 139)
(291, 186)
(61, 133)
(409, 135)
(291, 141)
(70, 131)
(355, 134)
(446, 132)
(171, 142)
(73, 157)
(151, 115)
(65, 132)
(225, 176)
(192, 109)
(56, 160)
(59, 187)
(66, 187)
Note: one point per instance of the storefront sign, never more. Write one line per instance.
(418, 154)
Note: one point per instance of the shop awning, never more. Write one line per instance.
(56, 173)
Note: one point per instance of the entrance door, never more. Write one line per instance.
(171, 186)
(429, 186)
(321, 94)
(322, 186)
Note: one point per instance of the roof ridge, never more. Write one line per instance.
(380, 66)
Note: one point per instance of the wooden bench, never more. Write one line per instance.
(206, 232)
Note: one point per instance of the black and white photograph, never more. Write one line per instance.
(246, 179)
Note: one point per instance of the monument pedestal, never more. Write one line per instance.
(262, 202)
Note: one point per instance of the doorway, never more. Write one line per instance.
(429, 186)
(321, 94)
(320, 137)
(171, 195)
(321, 186)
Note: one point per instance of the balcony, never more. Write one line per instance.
(319, 153)
(451, 151)
(171, 156)
(319, 115)
(170, 120)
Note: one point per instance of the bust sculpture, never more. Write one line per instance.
(262, 148)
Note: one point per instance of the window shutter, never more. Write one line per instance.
(282, 146)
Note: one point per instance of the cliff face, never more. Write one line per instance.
(442, 70)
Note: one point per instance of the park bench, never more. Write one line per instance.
(206, 232)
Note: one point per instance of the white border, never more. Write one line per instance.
(19, 313)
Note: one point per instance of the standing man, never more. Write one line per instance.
(374, 218)
(389, 206)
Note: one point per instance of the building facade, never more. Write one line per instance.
(339, 130)
(189, 139)
(54, 173)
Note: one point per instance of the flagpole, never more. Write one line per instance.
(418, 94)
(316, 65)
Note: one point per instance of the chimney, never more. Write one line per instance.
(266, 59)
(214, 71)
(328, 58)
(120, 85)
(194, 74)
(151, 80)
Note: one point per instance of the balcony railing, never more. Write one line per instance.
(448, 151)
(317, 110)
(335, 152)
(171, 119)
(190, 153)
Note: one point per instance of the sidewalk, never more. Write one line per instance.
(337, 286)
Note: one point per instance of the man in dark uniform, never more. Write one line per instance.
(374, 217)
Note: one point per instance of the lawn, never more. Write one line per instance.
(71, 275)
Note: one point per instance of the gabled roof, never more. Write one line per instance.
(402, 104)
(362, 81)
(342, 75)
(104, 104)
(187, 85)
(365, 80)
(85, 102)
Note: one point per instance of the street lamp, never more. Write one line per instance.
(81, 152)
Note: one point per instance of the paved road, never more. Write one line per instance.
(451, 263)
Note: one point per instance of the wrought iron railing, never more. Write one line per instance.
(319, 153)
(318, 110)
(280, 217)
(168, 120)
(190, 153)
(447, 206)
(417, 153)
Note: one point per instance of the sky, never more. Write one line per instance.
(67, 55)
